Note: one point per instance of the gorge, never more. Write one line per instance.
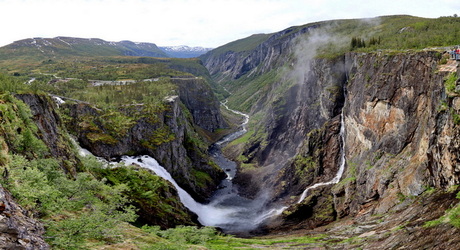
(355, 147)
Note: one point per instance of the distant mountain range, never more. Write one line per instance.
(184, 51)
(33, 49)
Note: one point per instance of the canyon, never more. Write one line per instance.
(361, 147)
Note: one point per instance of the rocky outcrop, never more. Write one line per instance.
(51, 129)
(199, 99)
(169, 137)
(17, 229)
(391, 115)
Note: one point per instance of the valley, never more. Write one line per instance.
(299, 139)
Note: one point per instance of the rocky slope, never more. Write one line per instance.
(51, 130)
(17, 229)
(199, 99)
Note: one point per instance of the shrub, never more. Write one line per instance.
(73, 210)
(184, 234)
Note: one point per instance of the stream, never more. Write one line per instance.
(226, 209)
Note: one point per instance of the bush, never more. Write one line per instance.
(451, 83)
(74, 210)
(184, 234)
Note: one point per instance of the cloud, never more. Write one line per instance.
(199, 22)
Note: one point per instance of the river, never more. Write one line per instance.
(227, 209)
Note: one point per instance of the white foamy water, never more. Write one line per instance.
(339, 174)
(228, 211)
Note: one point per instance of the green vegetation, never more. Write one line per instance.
(116, 68)
(381, 33)
(396, 32)
(79, 208)
(248, 90)
(18, 132)
(148, 192)
(73, 208)
(304, 166)
(25, 53)
(242, 45)
(451, 216)
(207, 238)
(451, 84)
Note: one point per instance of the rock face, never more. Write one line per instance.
(399, 140)
(199, 99)
(268, 54)
(51, 129)
(401, 130)
(169, 139)
(17, 230)
(312, 105)
(392, 113)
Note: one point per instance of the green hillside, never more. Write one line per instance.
(395, 32)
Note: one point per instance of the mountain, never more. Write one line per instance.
(354, 145)
(29, 51)
(365, 127)
(184, 51)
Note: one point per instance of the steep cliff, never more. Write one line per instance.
(396, 116)
(51, 129)
(199, 99)
(169, 136)
(392, 111)
(399, 116)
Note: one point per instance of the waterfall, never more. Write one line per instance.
(227, 211)
(339, 174)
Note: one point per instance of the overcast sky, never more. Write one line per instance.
(207, 23)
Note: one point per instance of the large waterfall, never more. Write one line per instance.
(226, 209)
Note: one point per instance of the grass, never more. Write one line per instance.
(205, 238)
(451, 84)
(247, 91)
(224, 243)
(241, 45)
(451, 216)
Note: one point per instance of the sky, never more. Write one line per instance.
(206, 23)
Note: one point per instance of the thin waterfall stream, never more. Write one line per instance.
(339, 174)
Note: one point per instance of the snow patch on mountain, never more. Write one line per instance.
(184, 51)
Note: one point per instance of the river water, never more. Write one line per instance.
(227, 209)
